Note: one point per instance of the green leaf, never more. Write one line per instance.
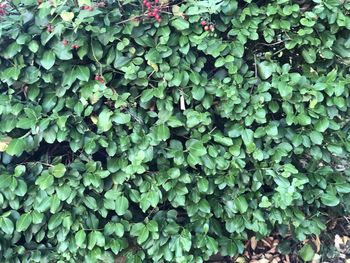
(121, 205)
(55, 221)
(241, 204)
(143, 235)
(329, 199)
(104, 122)
(343, 188)
(48, 59)
(196, 148)
(198, 93)
(6, 225)
(195, 77)
(33, 46)
(162, 132)
(5, 180)
(82, 73)
(265, 203)
(265, 69)
(309, 55)
(80, 237)
(45, 180)
(180, 24)
(203, 185)
(23, 222)
(285, 90)
(58, 170)
(316, 137)
(322, 125)
(92, 240)
(119, 229)
(204, 206)
(16, 147)
(306, 252)
(121, 118)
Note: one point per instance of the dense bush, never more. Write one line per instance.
(171, 136)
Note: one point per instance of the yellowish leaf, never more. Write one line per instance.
(313, 103)
(153, 65)
(67, 16)
(93, 119)
(4, 142)
(176, 11)
(84, 2)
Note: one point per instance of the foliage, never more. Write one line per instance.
(164, 142)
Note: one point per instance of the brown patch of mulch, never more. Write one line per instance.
(332, 246)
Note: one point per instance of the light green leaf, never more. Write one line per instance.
(6, 225)
(48, 59)
(330, 199)
(204, 206)
(23, 222)
(16, 147)
(104, 122)
(121, 205)
(45, 180)
(241, 204)
(58, 170)
(82, 73)
(322, 125)
(162, 132)
(265, 69)
(143, 235)
(309, 55)
(306, 252)
(195, 147)
(80, 237)
(180, 24)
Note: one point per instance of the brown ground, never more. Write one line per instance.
(332, 246)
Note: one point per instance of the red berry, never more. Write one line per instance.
(148, 4)
(97, 77)
(156, 1)
(157, 16)
(155, 10)
(49, 28)
(65, 42)
(149, 14)
(40, 2)
(212, 27)
(203, 23)
(144, 2)
(206, 28)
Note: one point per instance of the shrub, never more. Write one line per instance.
(173, 134)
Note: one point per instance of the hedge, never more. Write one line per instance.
(170, 131)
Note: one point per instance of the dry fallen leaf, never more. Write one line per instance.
(317, 243)
(267, 242)
(337, 242)
(253, 243)
(316, 258)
